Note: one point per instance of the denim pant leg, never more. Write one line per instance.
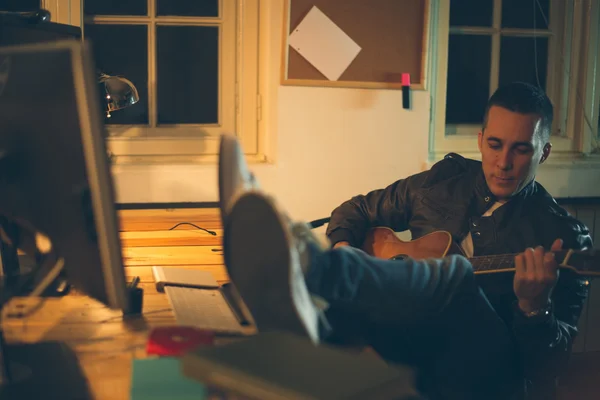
(430, 313)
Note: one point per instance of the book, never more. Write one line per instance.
(278, 365)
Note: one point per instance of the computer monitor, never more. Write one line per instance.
(54, 171)
(18, 28)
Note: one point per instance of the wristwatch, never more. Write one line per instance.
(544, 311)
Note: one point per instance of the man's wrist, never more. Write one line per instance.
(533, 310)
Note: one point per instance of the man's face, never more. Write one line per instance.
(511, 151)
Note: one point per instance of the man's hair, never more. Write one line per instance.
(524, 98)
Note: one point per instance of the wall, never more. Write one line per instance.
(328, 144)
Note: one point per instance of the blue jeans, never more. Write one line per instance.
(430, 314)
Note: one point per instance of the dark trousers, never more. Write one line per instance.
(430, 314)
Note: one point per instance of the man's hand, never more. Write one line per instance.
(341, 244)
(535, 277)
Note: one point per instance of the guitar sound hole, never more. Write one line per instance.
(399, 257)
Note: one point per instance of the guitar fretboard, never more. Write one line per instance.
(492, 263)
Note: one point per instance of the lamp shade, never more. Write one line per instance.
(118, 92)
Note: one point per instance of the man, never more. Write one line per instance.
(493, 207)
(431, 314)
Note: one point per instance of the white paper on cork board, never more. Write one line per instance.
(323, 44)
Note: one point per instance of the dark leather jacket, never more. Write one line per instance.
(452, 196)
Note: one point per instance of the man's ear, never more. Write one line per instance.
(546, 152)
(480, 139)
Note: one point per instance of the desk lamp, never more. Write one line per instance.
(118, 92)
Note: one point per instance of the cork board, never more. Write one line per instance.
(392, 34)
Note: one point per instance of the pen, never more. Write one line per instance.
(133, 284)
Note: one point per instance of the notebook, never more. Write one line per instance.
(161, 378)
(183, 277)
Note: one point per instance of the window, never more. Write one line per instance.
(592, 111)
(482, 44)
(195, 65)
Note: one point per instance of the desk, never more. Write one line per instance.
(104, 342)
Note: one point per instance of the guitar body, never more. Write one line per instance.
(384, 243)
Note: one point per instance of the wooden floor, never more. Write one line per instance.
(103, 341)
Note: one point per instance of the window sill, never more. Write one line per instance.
(181, 160)
(181, 149)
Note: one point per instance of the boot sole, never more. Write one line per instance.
(265, 269)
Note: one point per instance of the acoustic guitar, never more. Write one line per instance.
(384, 243)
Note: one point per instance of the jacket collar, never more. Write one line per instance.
(485, 198)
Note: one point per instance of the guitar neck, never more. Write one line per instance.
(506, 262)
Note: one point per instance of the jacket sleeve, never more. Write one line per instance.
(388, 207)
(546, 341)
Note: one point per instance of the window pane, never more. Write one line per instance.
(519, 14)
(471, 12)
(115, 7)
(20, 5)
(187, 8)
(123, 50)
(518, 60)
(188, 74)
(468, 78)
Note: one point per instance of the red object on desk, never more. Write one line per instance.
(174, 341)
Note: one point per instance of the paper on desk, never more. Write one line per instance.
(324, 44)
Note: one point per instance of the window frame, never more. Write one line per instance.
(565, 89)
(591, 109)
(190, 143)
